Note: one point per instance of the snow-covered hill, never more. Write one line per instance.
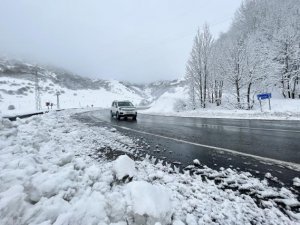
(17, 88)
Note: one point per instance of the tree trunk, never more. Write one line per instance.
(205, 85)
(201, 91)
(286, 71)
(212, 96)
(238, 93)
(248, 95)
(288, 89)
(283, 87)
(216, 92)
(294, 88)
(220, 88)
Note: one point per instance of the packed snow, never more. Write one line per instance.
(53, 170)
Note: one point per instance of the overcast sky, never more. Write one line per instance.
(133, 40)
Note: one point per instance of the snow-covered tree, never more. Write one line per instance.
(197, 70)
(260, 51)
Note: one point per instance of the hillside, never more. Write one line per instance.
(17, 88)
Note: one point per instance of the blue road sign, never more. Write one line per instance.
(264, 96)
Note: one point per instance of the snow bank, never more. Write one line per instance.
(167, 101)
(282, 109)
(53, 171)
(167, 104)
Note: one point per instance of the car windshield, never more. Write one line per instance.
(125, 104)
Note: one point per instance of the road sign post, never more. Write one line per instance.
(260, 104)
(57, 99)
(264, 96)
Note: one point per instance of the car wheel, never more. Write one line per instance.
(111, 114)
(134, 118)
(118, 116)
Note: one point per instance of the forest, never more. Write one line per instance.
(259, 53)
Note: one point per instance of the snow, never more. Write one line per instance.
(25, 103)
(196, 162)
(53, 171)
(151, 200)
(178, 222)
(296, 182)
(282, 109)
(124, 166)
(166, 102)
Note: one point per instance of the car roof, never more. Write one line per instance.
(122, 101)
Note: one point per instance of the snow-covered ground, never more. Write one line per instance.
(169, 105)
(20, 94)
(166, 103)
(56, 170)
(25, 103)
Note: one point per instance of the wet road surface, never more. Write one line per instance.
(256, 146)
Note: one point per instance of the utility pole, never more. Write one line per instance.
(37, 92)
(57, 99)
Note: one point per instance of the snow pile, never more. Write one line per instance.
(167, 101)
(53, 171)
(124, 166)
(196, 162)
(296, 182)
(150, 203)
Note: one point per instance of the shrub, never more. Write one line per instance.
(11, 107)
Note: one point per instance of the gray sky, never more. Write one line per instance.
(133, 40)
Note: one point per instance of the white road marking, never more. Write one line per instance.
(253, 128)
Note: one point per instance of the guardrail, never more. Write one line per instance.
(14, 118)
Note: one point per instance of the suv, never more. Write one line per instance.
(123, 109)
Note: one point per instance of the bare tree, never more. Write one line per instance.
(197, 71)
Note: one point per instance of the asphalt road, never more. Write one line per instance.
(256, 146)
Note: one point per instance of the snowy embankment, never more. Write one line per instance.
(169, 105)
(56, 170)
(230, 114)
(20, 94)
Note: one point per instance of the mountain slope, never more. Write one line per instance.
(17, 88)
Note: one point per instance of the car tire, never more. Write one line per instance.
(111, 114)
(134, 118)
(118, 116)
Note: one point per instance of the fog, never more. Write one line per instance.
(134, 40)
